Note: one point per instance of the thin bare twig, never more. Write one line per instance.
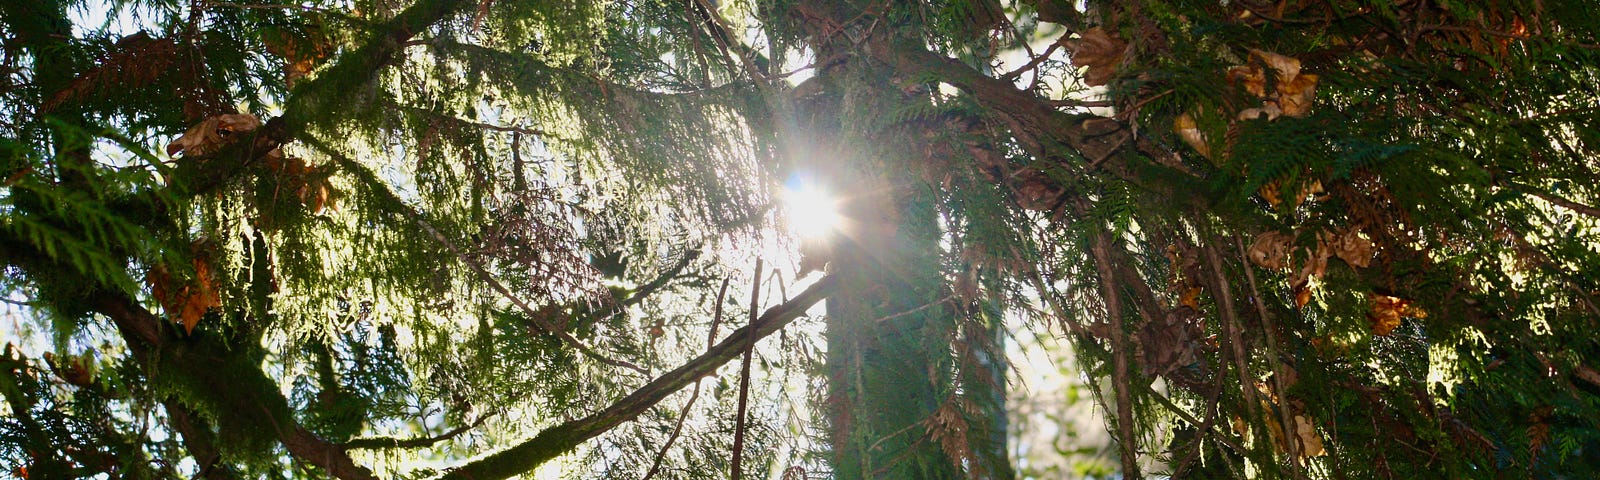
(744, 378)
(677, 428)
(1060, 41)
(1284, 415)
(915, 310)
(533, 314)
(1231, 323)
(257, 6)
(1570, 204)
(1205, 427)
(388, 442)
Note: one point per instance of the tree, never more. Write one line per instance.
(1298, 239)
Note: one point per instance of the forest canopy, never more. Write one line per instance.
(788, 239)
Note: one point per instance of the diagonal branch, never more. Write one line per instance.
(233, 383)
(562, 438)
(1573, 205)
(239, 387)
(711, 339)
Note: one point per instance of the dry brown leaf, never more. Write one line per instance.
(1302, 296)
(1250, 77)
(1167, 344)
(1269, 110)
(1307, 442)
(1291, 94)
(1287, 67)
(310, 183)
(185, 302)
(73, 369)
(1271, 250)
(1306, 434)
(1295, 97)
(301, 55)
(317, 194)
(212, 134)
(1353, 248)
(1270, 192)
(1387, 311)
(1099, 53)
(1316, 265)
(1190, 298)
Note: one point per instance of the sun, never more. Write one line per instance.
(812, 211)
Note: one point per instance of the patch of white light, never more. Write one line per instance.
(812, 212)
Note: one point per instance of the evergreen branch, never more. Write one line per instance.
(200, 442)
(677, 427)
(1100, 246)
(234, 388)
(419, 442)
(648, 289)
(1270, 333)
(726, 43)
(237, 391)
(392, 202)
(331, 91)
(1569, 204)
(533, 313)
(559, 439)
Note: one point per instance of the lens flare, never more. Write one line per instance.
(812, 212)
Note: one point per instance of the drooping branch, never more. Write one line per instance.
(331, 91)
(392, 203)
(1120, 383)
(198, 438)
(561, 438)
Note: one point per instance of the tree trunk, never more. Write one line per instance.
(897, 403)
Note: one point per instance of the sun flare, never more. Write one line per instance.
(812, 211)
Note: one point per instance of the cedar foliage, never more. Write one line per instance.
(1302, 239)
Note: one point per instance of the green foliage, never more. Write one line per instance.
(468, 225)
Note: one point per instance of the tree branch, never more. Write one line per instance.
(559, 439)
(238, 393)
(419, 442)
(711, 339)
(744, 381)
(395, 205)
(1120, 382)
(1575, 206)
